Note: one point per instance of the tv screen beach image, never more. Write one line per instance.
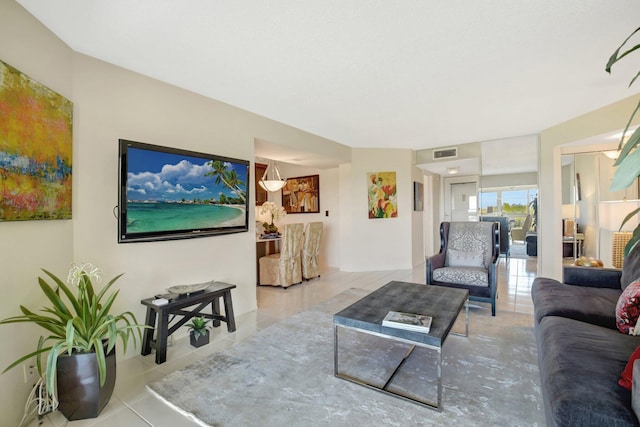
(167, 191)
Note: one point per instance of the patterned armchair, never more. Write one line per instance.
(310, 250)
(467, 260)
(284, 268)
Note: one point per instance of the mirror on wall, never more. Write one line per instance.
(586, 178)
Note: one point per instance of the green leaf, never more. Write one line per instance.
(52, 363)
(627, 172)
(70, 332)
(630, 215)
(634, 79)
(635, 238)
(108, 285)
(70, 296)
(26, 357)
(615, 58)
(632, 142)
(59, 306)
(102, 363)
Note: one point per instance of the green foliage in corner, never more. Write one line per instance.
(628, 161)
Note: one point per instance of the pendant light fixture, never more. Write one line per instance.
(271, 180)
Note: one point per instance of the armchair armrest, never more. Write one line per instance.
(591, 276)
(434, 262)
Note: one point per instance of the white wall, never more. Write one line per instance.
(508, 180)
(382, 243)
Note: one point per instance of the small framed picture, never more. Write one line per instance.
(418, 196)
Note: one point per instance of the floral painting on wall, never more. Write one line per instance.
(383, 202)
(35, 149)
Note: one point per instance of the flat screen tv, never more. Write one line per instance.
(169, 193)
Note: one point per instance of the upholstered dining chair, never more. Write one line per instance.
(311, 249)
(284, 268)
(467, 260)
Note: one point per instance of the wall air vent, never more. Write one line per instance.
(445, 153)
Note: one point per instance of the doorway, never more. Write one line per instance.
(464, 201)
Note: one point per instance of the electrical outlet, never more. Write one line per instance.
(30, 373)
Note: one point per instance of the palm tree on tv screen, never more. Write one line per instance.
(227, 177)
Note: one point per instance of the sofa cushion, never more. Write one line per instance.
(626, 378)
(591, 305)
(628, 308)
(464, 258)
(580, 365)
(631, 267)
(471, 276)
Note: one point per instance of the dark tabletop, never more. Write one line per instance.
(190, 299)
(441, 303)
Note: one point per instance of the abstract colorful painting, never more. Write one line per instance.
(35, 149)
(383, 202)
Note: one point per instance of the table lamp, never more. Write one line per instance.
(611, 216)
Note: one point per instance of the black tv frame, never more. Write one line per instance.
(125, 235)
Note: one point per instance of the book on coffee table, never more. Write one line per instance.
(408, 321)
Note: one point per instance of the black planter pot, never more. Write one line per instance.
(80, 395)
(202, 339)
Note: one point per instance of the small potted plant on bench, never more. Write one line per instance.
(199, 334)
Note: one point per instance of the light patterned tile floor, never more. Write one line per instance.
(132, 406)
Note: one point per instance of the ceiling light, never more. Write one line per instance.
(612, 154)
(271, 180)
(453, 170)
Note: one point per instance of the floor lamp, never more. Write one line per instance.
(611, 216)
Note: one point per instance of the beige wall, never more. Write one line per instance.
(377, 244)
(27, 246)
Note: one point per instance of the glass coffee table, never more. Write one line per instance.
(441, 303)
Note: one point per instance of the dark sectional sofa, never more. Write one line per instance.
(581, 353)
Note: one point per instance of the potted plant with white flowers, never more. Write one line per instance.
(80, 338)
(276, 213)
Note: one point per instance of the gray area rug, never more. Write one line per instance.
(283, 376)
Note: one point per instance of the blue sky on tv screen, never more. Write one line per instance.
(159, 176)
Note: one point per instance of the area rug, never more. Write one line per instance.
(284, 376)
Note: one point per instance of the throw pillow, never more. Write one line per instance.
(628, 307)
(626, 378)
(464, 258)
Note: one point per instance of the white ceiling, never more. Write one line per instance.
(370, 73)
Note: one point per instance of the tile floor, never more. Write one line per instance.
(132, 406)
